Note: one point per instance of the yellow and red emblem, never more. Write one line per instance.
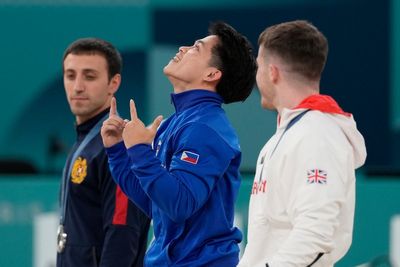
(79, 170)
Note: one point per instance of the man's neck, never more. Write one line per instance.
(183, 86)
(80, 119)
(289, 96)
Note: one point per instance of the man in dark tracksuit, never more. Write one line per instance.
(99, 226)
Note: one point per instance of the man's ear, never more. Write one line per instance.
(114, 84)
(273, 72)
(212, 75)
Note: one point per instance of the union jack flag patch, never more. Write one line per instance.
(190, 157)
(317, 176)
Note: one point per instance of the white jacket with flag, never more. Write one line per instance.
(302, 202)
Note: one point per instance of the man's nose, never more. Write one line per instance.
(79, 85)
(183, 49)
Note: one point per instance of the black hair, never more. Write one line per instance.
(233, 56)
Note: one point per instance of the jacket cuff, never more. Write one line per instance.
(140, 154)
(115, 149)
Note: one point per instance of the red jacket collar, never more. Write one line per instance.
(323, 103)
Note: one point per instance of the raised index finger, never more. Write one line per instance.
(133, 110)
(113, 108)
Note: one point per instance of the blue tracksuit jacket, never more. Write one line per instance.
(187, 183)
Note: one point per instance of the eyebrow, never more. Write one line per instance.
(199, 42)
(84, 70)
(90, 70)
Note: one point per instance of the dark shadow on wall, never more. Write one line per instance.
(17, 166)
(44, 131)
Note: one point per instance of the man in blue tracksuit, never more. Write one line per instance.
(98, 225)
(188, 180)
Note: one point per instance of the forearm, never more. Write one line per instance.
(168, 190)
(302, 248)
(120, 164)
(312, 235)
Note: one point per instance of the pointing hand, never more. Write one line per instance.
(111, 131)
(135, 131)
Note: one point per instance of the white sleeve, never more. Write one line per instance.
(315, 178)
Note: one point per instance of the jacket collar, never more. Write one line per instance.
(323, 103)
(191, 98)
(84, 128)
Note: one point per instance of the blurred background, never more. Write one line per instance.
(37, 128)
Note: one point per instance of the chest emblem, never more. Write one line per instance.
(79, 170)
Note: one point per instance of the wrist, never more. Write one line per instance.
(112, 143)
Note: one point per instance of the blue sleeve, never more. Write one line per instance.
(119, 164)
(125, 225)
(197, 164)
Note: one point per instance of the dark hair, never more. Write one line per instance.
(233, 56)
(92, 46)
(300, 44)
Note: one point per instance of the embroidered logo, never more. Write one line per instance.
(317, 176)
(190, 157)
(79, 170)
(158, 147)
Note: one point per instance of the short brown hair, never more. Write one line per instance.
(300, 44)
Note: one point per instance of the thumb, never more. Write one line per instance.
(156, 123)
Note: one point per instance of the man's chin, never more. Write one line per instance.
(167, 67)
(78, 111)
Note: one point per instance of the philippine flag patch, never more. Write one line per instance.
(190, 157)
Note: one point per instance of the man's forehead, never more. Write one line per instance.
(212, 38)
(85, 57)
(208, 40)
(85, 61)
